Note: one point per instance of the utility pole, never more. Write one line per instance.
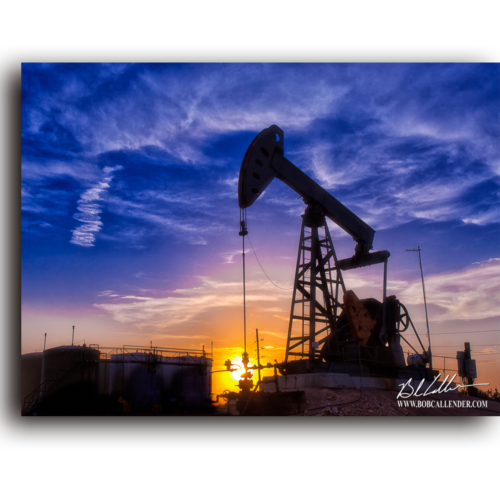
(425, 302)
(471, 391)
(258, 352)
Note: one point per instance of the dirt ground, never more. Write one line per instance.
(371, 402)
(381, 403)
(365, 403)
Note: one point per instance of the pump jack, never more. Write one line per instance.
(334, 335)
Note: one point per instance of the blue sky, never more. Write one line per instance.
(129, 194)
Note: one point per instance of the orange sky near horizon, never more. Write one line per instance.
(212, 311)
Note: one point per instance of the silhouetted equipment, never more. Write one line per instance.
(88, 380)
(429, 352)
(31, 371)
(253, 402)
(264, 160)
(326, 333)
(468, 369)
(359, 332)
(69, 379)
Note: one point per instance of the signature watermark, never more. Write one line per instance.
(407, 390)
(433, 403)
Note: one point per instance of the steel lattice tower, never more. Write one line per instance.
(318, 280)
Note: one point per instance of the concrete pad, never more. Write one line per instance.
(308, 380)
(342, 381)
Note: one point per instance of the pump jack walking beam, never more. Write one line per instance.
(264, 160)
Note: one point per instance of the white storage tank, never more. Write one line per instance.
(192, 383)
(170, 371)
(137, 379)
(146, 380)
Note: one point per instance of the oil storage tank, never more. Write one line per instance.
(104, 377)
(136, 378)
(145, 381)
(191, 384)
(170, 370)
(69, 380)
(31, 373)
(68, 365)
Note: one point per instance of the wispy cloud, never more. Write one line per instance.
(469, 294)
(283, 318)
(193, 228)
(487, 350)
(89, 210)
(273, 334)
(387, 146)
(185, 305)
(394, 179)
(175, 109)
(472, 293)
(228, 257)
(36, 170)
(47, 192)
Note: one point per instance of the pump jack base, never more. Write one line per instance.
(307, 381)
(355, 369)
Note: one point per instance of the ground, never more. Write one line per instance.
(381, 403)
(372, 402)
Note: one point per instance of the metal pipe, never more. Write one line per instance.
(244, 303)
(243, 232)
(416, 334)
(73, 336)
(312, 292)
(166, 349)
(301, 252)
(425, 304)
(249, 399)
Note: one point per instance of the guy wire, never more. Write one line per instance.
(255, 253)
